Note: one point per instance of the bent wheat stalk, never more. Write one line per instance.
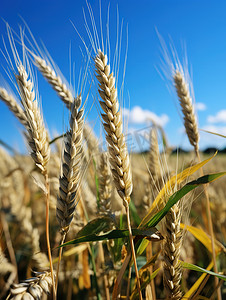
(37, 138)
(119, 158)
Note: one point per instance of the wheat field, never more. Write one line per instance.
(79, 219)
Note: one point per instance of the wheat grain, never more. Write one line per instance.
(69, 181)
(32, 288)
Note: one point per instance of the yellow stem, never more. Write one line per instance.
(128, 284)
(149, 256)
(59, 259)
(106, 286)
(133, 251)
(47, 233)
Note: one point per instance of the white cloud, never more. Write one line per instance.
(138, 115)
(200, 106)
(220, 117)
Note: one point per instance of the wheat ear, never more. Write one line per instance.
(105, 187)
(112, 121)
(55, 81)
(154, 157)
(69, 181)
(172, 270)
(119, 158)
(37, 135)
(32, 288)
(12, 104)
(190, 121)
(71, 166)
(154, 170)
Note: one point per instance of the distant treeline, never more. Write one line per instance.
(208, 150)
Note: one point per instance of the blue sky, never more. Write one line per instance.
(200, 25)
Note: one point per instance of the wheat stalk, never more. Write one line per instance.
(70, 179)
(190, 121)
(55, 81)
(32, 288)
(37, 138)
(151, 191)
(119, 158)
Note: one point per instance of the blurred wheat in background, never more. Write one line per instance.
(84, 218)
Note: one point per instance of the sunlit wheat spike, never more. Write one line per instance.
(71, 166)
(32, 288)
(105, 187)
(37, 135)
(12, 104)
(56, 82)
(190, 121)
(112, 121)
(154, 157)
(154, 169)
(171, 252)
